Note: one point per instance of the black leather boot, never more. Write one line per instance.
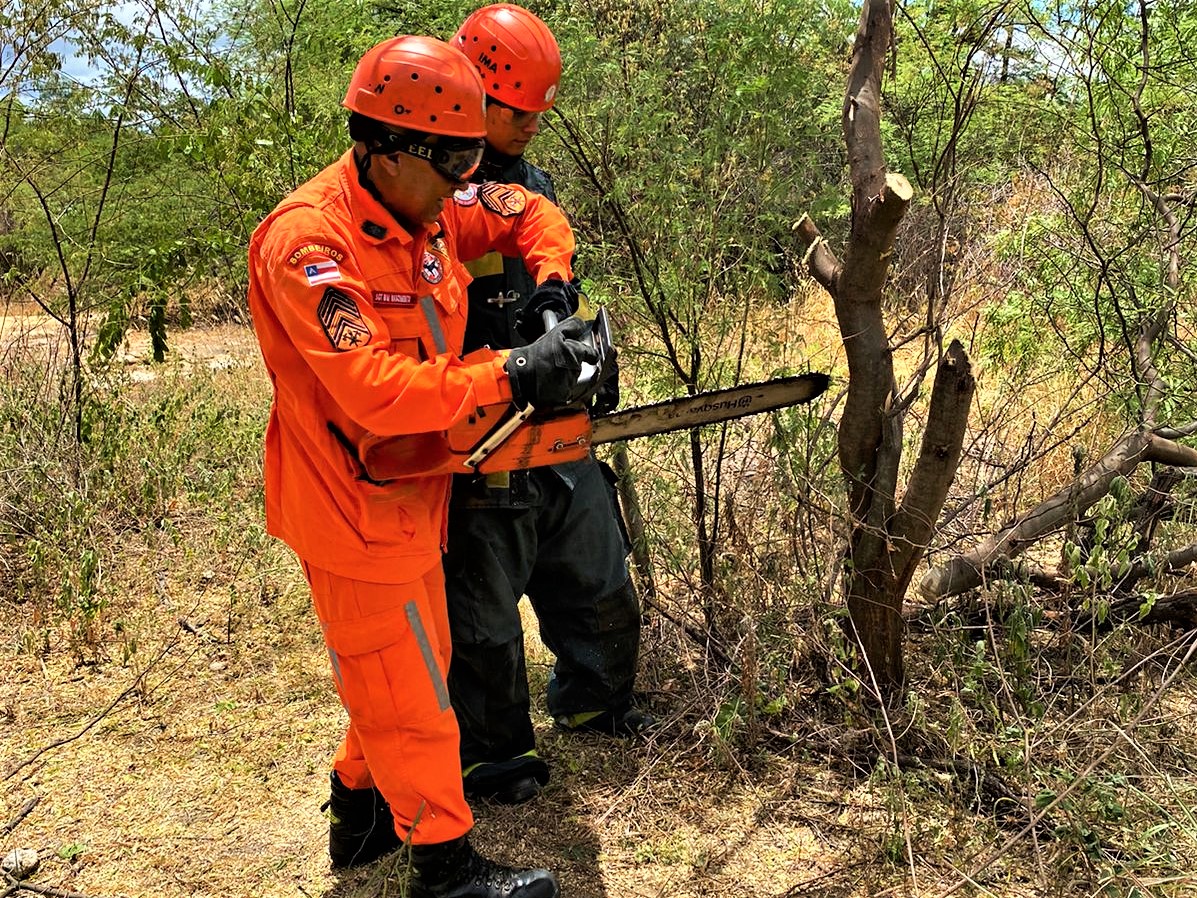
(455, 870)
(360, 827)
(507, 782)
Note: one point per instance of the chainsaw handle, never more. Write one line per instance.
(589, 372)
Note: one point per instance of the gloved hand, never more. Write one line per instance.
(545, 373)
(555, 295)
(606, 400)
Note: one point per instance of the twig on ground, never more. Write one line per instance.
(22, 886)
(91, 723)
(21, 815)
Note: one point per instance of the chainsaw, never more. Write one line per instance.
(503, 437)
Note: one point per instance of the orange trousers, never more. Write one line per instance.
(389, 647)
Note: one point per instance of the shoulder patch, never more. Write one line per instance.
(320, 250)
(342, 320)
(467, 196)
(321, 272)
(501, 198)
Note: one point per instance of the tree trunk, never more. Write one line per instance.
(886, 542)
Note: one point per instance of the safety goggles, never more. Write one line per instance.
(454, 158)
(519, 118)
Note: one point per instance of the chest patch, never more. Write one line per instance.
(342, 321)
(383, 299)
(432, 269)
(502, 199)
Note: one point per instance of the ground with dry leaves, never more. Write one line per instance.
(185, 752)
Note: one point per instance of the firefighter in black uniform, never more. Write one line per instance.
(552, 534)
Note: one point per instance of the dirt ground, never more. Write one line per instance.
(198, 766)
(207, 779)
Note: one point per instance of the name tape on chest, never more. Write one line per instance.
(386, 299)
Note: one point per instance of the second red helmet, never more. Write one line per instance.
(515, 53)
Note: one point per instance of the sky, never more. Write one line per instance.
(74, 65)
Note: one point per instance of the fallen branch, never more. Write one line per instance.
(91, 723)
(14, 887)
(21, 815)
(1178, 609)
(1174, 561)
(971, 569)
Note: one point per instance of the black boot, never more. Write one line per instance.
(627, 721)
(455, 870)
(360, 827)
(507, 782)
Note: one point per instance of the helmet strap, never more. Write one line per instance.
(362, 163)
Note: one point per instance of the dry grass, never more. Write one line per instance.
(207, 777)
(190, 756)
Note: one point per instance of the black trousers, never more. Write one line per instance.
(554, 535)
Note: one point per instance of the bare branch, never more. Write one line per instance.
(951, 398)
(968, 571)
(20, 815)
(819, 260)
(97, 718)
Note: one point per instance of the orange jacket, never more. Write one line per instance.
(361, 326)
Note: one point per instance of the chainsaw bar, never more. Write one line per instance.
(711, 407)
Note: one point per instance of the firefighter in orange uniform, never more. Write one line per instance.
(358, 300)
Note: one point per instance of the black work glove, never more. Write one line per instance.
(545, 373)
(554, 295)
(606, 400)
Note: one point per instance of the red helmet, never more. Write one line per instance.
(419, 83)
(515, 53)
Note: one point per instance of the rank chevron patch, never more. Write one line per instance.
(502, 199)
(342, 322)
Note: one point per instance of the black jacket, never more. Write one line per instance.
(502, 285)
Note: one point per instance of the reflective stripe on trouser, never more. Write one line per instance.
(564, 548)
(389, 648)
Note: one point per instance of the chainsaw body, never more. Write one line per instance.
(536, 440)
